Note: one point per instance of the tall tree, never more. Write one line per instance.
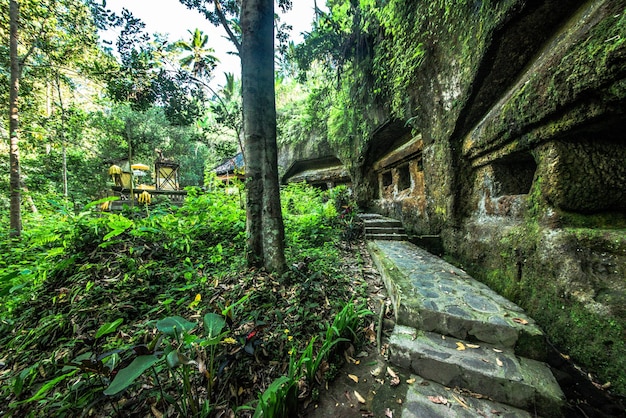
(265, 228)
(14, 158)
(52, 34)
(255, 47)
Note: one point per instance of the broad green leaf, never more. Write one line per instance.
(172, 359)
(99, 202)
(213, 324)
(109, 327)
(174, 326)
(18, 384)
(127, 375)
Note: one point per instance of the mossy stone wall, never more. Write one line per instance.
(521, 106)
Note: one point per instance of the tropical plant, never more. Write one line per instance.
(200, 59)
(280, 399)
(183, 352)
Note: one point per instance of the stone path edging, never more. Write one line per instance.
(454, 332)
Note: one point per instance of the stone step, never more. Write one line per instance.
(432, 295)
(428, 399)
(382, 223)
(384, 230)
(366, 216)
(377, 227)
(387, 236)
(495, 373)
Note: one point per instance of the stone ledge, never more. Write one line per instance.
(432, 295)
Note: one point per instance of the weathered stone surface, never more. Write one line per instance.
(521, 108)
(432, 295)
(425, 398)
(586, 176)
(500, 374)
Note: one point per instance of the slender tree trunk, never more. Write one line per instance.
(62, 135)
(264, 218)
(130, 162)
(14, 157)
(65, 191)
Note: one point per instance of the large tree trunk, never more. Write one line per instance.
(14, 158)
(266, 241)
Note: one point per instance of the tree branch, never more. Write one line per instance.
(231, 35)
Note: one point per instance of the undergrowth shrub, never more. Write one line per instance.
(81, 293)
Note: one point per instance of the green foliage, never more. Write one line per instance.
(308, 217)
(280, 398)
(200, 58)
(129, 374)
(108, 328)
(82, 291)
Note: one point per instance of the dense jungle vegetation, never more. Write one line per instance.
(154, 308)
(158, 301)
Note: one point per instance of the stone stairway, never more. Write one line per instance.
(377, 227)
(470, 351)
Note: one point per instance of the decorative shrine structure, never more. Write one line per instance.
(136, 185)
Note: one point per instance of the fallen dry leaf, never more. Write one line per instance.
(460, 346)
(388, 413)
(377, 371)
(411, 381)
(358, 397)
(156, 412)
(520, 321)
(497, 350)
(354, 378)
(438, 399)
(395, 379)
(499, 362)
(370, 333)
(472, 346)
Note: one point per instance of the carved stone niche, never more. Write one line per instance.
(504, 185)
(400, 174)
(586, 175)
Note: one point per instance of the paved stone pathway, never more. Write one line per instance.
(471, 351)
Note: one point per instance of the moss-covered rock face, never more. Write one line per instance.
(570, 280)
(586, 176)
(521, 107)
(522, 112)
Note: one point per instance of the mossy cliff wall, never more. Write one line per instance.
(521, 108)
